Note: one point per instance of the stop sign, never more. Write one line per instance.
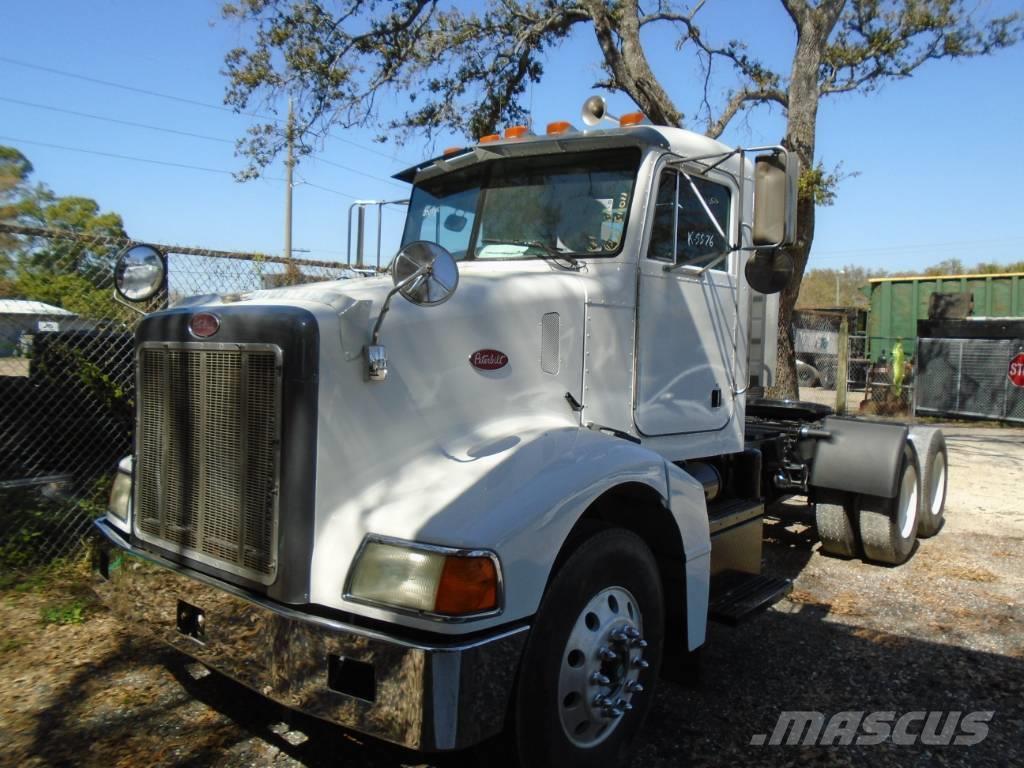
(1016, 372)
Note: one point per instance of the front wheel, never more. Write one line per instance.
(587, 675)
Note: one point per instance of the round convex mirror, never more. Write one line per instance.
(438, 273)
(140, 272)
(769, 271)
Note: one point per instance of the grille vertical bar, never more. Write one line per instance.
(208, 441)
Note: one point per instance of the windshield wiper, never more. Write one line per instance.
(549, 252)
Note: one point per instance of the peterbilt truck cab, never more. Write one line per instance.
(492, 493)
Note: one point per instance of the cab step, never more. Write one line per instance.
(739, 596)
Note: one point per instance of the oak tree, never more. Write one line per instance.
(344, 62)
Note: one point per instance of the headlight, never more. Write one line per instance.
(140, 272)
(438, 581)
(121, 492)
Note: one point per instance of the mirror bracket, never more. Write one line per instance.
(426, 275)
(376, 353)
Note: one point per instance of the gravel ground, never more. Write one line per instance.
(944, 632)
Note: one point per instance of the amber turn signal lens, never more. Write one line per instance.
(632, 118)
(489, 138)
(516, 131)
(559, 126)
(468, 585)
(449, 151)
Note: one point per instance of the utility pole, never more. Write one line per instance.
(289, 163)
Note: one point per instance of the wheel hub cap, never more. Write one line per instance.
(601, 667)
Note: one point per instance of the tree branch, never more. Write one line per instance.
(740, 100)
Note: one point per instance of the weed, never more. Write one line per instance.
(72, 612)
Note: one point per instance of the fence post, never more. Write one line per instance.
(842, 365)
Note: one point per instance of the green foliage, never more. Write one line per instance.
(66, 612)
(63, 272)
(74, 292)
(820, 185)
(818, 289)
(32, 520)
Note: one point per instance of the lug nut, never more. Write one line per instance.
(632, 632)
(639, 643)
(602, 701)
(624, 705)
(640, 664)
(607, 654)
(619, 636)
(634, 686)
(598, 679)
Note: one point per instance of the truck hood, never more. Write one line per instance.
(398, 457)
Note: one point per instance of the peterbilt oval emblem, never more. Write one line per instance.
(488, 359)
(204, 325)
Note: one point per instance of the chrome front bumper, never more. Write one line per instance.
(421, 696)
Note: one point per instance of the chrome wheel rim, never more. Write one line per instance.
(937, 491)
(907, 503)
(601, 666)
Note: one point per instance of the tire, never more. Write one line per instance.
(930, 446)
(608, 586)
(888, 527)
(835, 519)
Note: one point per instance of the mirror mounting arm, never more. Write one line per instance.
(376, 353)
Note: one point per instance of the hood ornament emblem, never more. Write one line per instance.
(488, 360)
(203, 325)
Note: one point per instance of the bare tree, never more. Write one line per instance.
(467, 71)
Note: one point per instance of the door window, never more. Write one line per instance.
(683, 232)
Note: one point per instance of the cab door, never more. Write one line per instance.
(687, 315)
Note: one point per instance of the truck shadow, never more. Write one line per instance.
(803, 655)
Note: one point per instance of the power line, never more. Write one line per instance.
(152, 161)
(121, 86)
(123, 157)
(116, 120)
(190, 134)
(180, 99)
(361, 173)
(913, 247)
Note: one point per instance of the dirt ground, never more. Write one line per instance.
(943, 632)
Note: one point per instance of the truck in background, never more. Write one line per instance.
(503, 491)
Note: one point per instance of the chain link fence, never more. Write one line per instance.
(969, 377)
(879, 386)
(66, 372)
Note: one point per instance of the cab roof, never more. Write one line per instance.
(685, 143)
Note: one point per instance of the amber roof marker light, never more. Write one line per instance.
(632, 118)
(517, 131)
(559, 126)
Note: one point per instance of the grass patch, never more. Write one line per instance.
(69, 612)
(64, 575)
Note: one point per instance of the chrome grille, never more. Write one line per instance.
(207, 472)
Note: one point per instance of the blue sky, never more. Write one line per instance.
(931, 153)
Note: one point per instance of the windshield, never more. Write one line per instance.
(532, 207)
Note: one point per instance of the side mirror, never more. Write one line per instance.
(775, 187)
(425, 273)
(140, 273)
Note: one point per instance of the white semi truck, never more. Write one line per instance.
(502, 490)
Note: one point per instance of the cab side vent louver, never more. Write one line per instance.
(549, 343)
